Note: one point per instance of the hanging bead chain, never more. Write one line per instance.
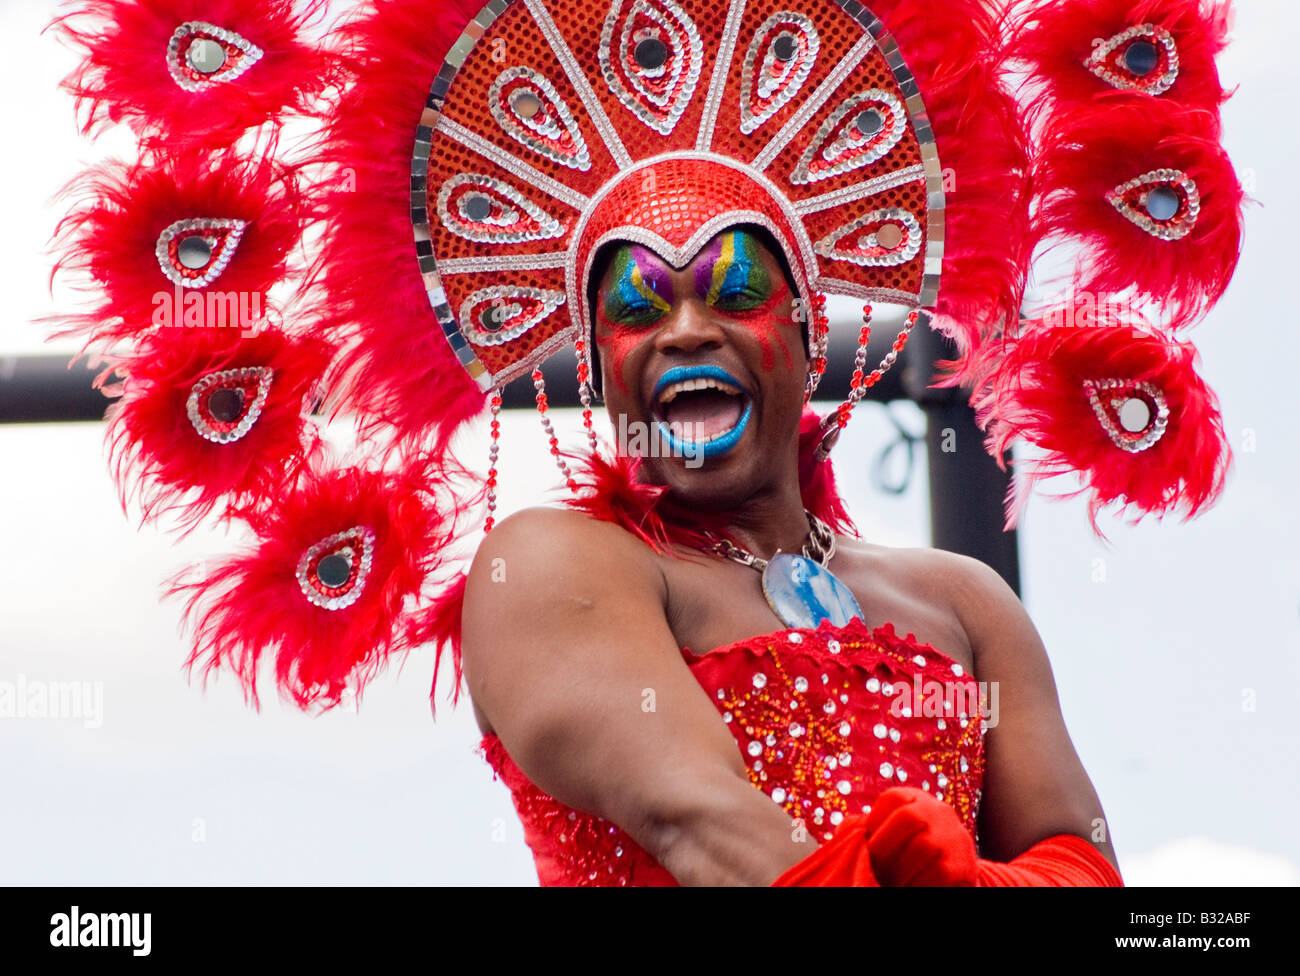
(540, 384)
(817, 345)
(493, 452)
(860, 384)
(584, 390)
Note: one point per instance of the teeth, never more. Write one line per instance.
(701, 383)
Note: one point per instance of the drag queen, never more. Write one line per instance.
(693, 671)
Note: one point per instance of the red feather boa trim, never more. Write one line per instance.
(396, 365)
(125, 75)
(1053, 38)
(112, 237)
(1039, 395)
(1091, 152)
(254, 604)
(984, 151)
(159, 458)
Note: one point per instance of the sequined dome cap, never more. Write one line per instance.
(674, 206)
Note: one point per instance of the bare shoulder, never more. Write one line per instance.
(544, 582)
(971, 592)
(540, 555)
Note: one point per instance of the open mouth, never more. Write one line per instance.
(701, 409)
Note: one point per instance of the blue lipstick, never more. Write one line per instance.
(706, 449)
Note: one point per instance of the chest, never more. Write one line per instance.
(713, 602)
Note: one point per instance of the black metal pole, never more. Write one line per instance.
(967, 488)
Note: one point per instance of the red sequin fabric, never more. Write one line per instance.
(825, 719)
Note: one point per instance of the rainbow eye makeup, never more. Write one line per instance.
(729, 276)
(733, 277)
(641, 291)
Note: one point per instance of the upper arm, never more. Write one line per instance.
(568, 652)
(1035, 786)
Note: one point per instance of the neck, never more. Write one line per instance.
(770, 521)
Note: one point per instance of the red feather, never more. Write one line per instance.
(1053, 39)
(125, 75)
(984, 152)
(1039, 394)
(112, 236)
(254, 604)
(1091, 152)
(396, 364)
(161, 460)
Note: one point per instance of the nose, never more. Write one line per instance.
(690, 326)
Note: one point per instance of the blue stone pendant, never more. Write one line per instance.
(803, 593)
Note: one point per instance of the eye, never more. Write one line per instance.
(636, 312)
(741, 299)
(1143, 58)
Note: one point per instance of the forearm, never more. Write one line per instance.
(724, 832)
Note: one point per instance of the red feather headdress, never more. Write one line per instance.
(473, 160)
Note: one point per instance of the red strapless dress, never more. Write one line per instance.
(826, 720)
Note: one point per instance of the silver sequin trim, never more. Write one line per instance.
(1122, 439)
(326, 547)
(908, 248)
(1164, 230)
(527, 132)
(685, 77)
(1096, 61)
(858, 191)
(252, 54)
(262, 374)
(196, 227)
(503, 262)
(595, 110)
(461, 225)
(551, 300)
(836, 153)
(721, 70)
(808, 109)
(511, 163)
(791, 81)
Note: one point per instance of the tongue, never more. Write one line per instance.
(701, 414)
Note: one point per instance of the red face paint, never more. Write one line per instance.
(763, 325)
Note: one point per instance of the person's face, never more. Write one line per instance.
(707, 362)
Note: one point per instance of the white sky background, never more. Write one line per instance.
(184, 786)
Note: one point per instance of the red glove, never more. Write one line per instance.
(912, 839)
(842, 862)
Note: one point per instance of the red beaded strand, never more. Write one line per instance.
(860, 383)
(584, 391)
(817, 345)
(493, 452)
(539, 383)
